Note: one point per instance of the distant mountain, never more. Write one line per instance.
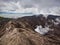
(14, 13)
(3, 12)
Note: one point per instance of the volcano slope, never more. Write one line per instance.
(21, 31)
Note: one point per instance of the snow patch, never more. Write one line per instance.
(41, 30)
(58, 20)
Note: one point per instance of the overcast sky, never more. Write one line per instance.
(30, 6)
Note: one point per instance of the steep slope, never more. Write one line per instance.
(3, 22)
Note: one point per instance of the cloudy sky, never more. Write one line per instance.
(30, 6)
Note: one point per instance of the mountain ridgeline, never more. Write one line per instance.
(21, 31)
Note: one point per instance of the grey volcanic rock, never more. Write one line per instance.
(21, 31)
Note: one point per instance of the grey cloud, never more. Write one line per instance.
(41, 3)
(32, 3)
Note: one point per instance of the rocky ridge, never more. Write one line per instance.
(21, 31)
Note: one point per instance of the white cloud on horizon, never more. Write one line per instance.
(53, 10)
